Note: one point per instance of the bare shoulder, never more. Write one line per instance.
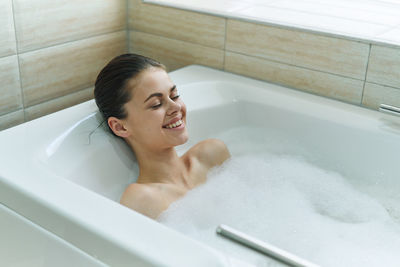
(143, 199)
(211, 152)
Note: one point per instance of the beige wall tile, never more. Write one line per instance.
(42, 23)
(177, 24)
(298, 48)
(7, 34)
(375, 94)
(384, 66)
(56, 71)
(10, 89)
(58, 104)
(11, 119)
(174, 53)
(337, 87)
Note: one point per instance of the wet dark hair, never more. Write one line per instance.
(110, 91)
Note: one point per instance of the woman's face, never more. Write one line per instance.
(156, 114)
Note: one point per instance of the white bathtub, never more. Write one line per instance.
(59, 171)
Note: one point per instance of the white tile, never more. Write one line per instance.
(312, 21)
(392, 36)
(259, 1)
(392, 1)
(221, 6)
(356, 14)
(365, 5)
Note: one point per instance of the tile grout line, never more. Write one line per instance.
(366, 72)
(18, 60)
(293, 65)
(42, 48)
(62, 96)
(384, 85)
(223, 61)
(80, 88)
(53, 100)
(180, 40)
(297, 89)
(72, 41)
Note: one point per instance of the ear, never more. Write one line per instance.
(118, 127)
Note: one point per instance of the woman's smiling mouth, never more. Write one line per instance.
(174, 125)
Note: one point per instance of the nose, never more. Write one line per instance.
(173, 107)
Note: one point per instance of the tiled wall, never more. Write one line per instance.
(359, 73)
(176, 38)
(51, 52)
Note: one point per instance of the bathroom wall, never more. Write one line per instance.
(51, 52)
(356, 72)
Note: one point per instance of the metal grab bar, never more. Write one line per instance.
(263, 247)
(389, 109)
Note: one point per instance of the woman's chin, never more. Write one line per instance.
(178, 138)
(183, 139)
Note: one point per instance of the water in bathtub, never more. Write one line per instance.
(283, 198)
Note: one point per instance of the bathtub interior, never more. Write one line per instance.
(87, 154)
(360, 144)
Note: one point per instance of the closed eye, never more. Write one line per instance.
(175, 97)
(156, 106)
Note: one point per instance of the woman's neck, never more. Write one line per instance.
(163, 166)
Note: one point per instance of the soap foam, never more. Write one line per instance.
(290, 203)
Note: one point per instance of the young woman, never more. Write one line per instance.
(141, 105)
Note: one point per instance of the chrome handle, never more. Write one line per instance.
(263, 247)
(389, 109)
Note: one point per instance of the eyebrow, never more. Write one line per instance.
(159, 94)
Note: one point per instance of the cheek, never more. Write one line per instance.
(153, 120)
(146, 123)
